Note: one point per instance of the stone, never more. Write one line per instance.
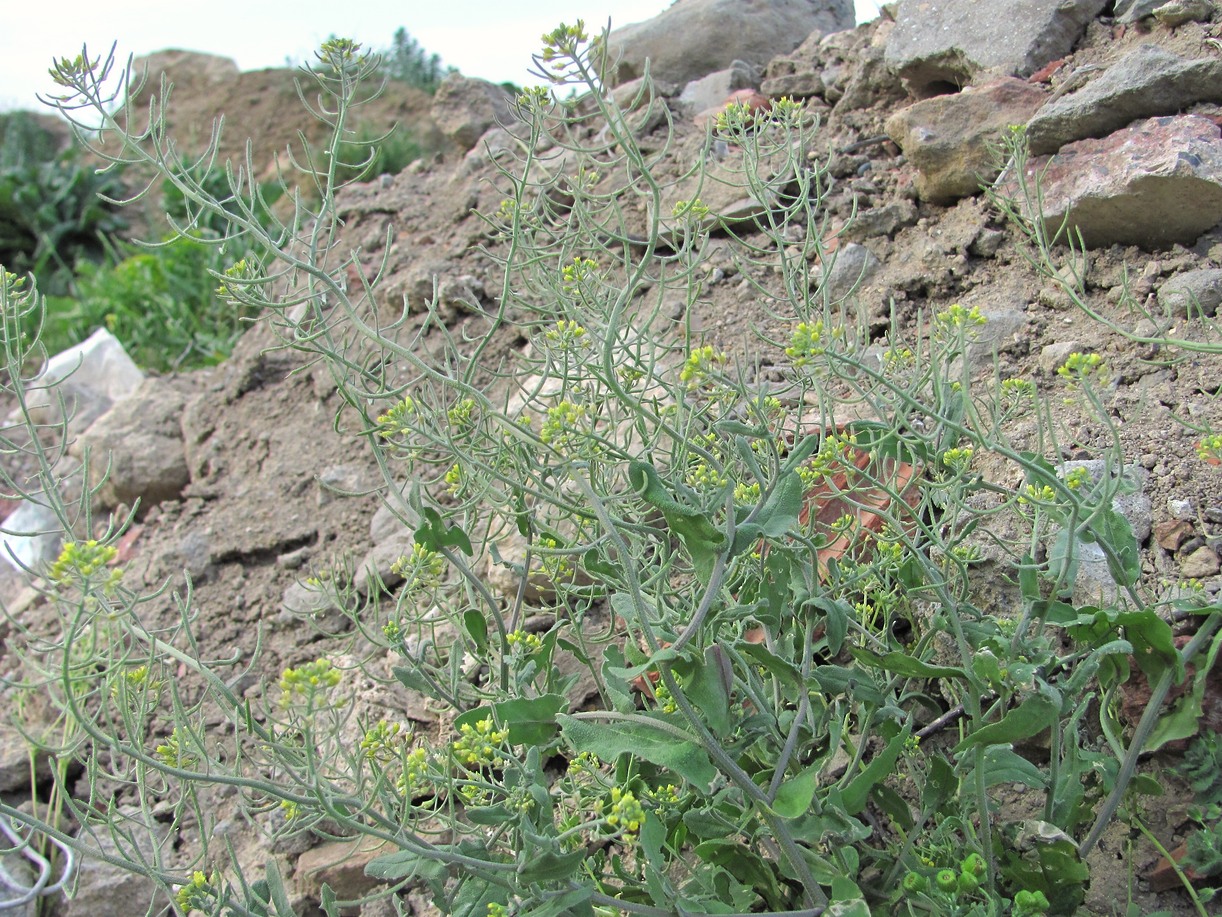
(1053, 356)
(15, 757)
(692, 39)
(1177, 12)
(1155, 183)
(1002, 330)
(941, 46)
(193, 73)
(948, 137)
(886, 220)
(724, 189)
(1200, 563)
(1181, 509)
(106, 890)
(798, 85)
(1094, 582)
(306, 601)
(138, 446)
(91, 377)
(347, 480)
(1171, 533)
(852, 267)
(341, 865)
(631, 96)
(1127, 11)
(1197, 292)
(32, 536)
(17, 878)
(711, 91)
(1145, 83)
(385, 525)
(378, 561)
(465, 108)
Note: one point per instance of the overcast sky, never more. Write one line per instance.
(492, 39)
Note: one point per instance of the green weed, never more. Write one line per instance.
(800, 706)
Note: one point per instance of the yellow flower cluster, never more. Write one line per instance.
(478, 745)
(308, 679)
(78, 561)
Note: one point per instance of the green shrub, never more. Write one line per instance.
(800, 708)
(55, 210)
(161, 303)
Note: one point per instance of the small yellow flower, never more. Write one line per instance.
(702, 362)
(1081, 366)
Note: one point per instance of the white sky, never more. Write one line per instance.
(492, 39)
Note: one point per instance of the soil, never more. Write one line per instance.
(264, 507)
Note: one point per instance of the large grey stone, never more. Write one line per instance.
(1197, 292)
(106, 890)
(944, 44)
(341, 865)
(1148, 81)
(1155, 183)
(1093, 581)
(853, 266)
(1175, 13)
(696, 37)
(90, 377)
(947, 137)
(464, 108)
(139, 445)
(1132, 10)
(713, 90)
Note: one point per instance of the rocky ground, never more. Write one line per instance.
(243, 479)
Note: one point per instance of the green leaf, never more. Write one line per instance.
(702, 539)
(574, 903)
(404, 864)
(327, 901)
(780, 669)
(1040, 857)
(856, 684)
(1031, 717)
(411, 679)
(893, 805)
(531, 722)
(801, 451)
(639, 737)
(836, 617)
(1003, 765)
(488, 815)
(776, 517)
(433, 534)
(629, 674)
(744, 864)
(857, 793)
(1112, 530)
(275, 887)
(899, 663)
(476, 627)
(1153, 641)
(707, 685)
(940, 785)
(535, 865)
(855, 907)
(795, 795)
(1029, 579)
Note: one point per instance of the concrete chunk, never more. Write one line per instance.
(943, 45)
(1145, 83)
